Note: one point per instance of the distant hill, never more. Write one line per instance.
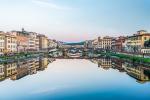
(77, 43)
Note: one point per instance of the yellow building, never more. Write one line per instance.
(136, 42)
(21, 71)
(136, 72)
(43, 42)
(2, 72)
(11, 69)
(43, 63)
(2, 43)
(10, 43)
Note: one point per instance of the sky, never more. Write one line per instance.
(75, 20)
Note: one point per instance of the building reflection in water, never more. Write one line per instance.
(20, 69)
(2, 70)
(104, 63)
(139, 72)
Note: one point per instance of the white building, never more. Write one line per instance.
(37, 43)
(145, 50)
(33, 40)
(104, 43)
(95, 43)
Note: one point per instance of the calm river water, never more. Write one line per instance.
(74, 79)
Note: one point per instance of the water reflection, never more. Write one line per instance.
(20, 69)
(74, 79)
(139, 72)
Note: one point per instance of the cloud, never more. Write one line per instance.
(50, 5)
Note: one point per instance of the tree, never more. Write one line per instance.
(147, 43)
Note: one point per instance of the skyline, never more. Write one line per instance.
(78, 20)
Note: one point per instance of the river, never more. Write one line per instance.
(45, 78)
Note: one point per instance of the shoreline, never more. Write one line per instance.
(125, 57)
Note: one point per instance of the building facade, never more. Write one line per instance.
(105, 43)
(88, 44)
(118, 44)
(32, 41)
(95, 43)
(22, 40)
(52, 43)
(2, 43)
(10, 43)
(136, 42)
(43, 42)
(145, 51)
(37, 43)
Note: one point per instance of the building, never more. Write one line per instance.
(43, 42)
(2, 43)
(113, 43)
(95, 43)
(145, 51)
(118, 44)
(37, 41)
(10, 43)
(32, 41)
(52, 43)
(88, 44)
(105, 43)
(21, 71)
(22, 40)
(136, 42)
(26, 41)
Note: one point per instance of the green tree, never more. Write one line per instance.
(147, 43)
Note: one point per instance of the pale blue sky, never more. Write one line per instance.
(75, 20)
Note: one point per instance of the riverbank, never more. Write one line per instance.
(133, 58)
(19, 56)
(126, 57)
